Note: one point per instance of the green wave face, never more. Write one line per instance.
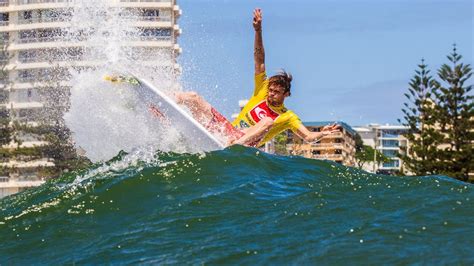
(237, 206)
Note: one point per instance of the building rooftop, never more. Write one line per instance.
(378, 126)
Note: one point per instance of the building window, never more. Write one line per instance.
(390, 143)
(338, 151)
(316, 152)
(155, 32)
(392, 164)
(150, 13)
(390, 153)
(27, 15)
(4, 17)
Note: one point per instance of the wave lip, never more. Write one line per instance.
(237, 206)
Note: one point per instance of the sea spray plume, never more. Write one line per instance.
(100, 115)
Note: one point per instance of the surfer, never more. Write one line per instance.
(265, 115)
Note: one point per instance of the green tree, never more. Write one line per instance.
(420, 118)
(5, 130)
(52, 128)
(455, 117)
(365, 154)
(61, 149)
(280, 142)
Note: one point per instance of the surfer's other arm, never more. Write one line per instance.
(259, 51)
(254, 134)
(310, 136)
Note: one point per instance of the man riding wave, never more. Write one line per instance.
(265, 115)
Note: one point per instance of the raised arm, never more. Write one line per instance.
(259, 52)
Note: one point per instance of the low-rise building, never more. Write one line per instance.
(387, 140)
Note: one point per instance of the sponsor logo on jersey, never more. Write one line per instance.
(261, 111)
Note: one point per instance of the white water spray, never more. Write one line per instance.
(104, 117)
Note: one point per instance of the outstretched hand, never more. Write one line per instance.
(257, 19)
(331, 129)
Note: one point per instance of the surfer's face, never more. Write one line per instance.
(276, 95)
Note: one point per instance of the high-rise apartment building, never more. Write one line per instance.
(42, 49)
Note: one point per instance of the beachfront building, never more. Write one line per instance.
(388, 140)
(339, 147)
(42, 49)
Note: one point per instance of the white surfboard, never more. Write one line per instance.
(168, 112)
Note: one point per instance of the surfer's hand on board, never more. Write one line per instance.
(257, 19)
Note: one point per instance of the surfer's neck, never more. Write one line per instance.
(274, 105)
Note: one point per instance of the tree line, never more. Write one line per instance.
(439, 115)
(439, 112)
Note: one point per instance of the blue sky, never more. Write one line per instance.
(351, 60)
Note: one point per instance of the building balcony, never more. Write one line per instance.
(152, 24)
(143, 42)
(29, 85)
(23, 5)
(29, 2)
(177, 11)
(81, 63)
(144, 3)
(389, 138)
(148, 18)
(42, 65)
(21, 184)
(25, 144)
(33, 26)
(20, 5)
(334, 136)
(327, 145)
(379, 148)
(28, 105)
(30, 164)
(330, 146)
(177, 30)
(332, 157)
(34, 20)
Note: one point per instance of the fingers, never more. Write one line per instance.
(332, 128)
(257, 15)
(257, 12)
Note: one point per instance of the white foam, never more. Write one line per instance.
(106, 118)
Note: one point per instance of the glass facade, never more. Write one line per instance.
(390, 143)
(392, 164)
(390, 153)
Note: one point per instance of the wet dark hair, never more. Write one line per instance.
(282, 79)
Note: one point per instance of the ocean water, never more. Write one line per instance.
(237, 206)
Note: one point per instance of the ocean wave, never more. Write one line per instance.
(238, 205)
